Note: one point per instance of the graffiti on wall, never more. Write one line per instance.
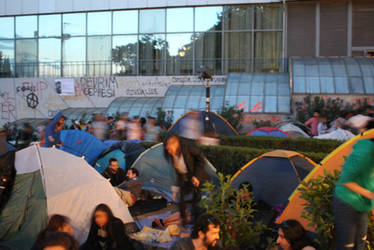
(102, 87)
(32, 92)
(8, 107)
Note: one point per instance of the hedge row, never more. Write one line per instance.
(228, 159)
(299, 145)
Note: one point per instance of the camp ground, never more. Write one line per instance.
(50, 181)
(269, 131)
(334, 161)
(218, 124)
(274, 175)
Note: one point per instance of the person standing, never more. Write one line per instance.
(354, 195)
(313, 122)
(189, 165)
(52, 131)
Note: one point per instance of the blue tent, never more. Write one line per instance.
(218, 124)
(158, 175)
(80, 143)
(103, 161)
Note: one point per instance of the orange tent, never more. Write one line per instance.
(334, 160)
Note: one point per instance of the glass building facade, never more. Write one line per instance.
(164, 41)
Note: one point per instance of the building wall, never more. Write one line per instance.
(24, 7)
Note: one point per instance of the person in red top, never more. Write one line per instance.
(313, 123)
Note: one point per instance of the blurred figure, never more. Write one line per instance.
(313, 123)
(322, 127)
(369, 111)
(52, 131)
(113, 173)
(100, 127)
(88, 127)
(111, 131)
(106, 232)
(134, 130)
(191, 126)
(75, 125)
(354, 195)
(130, 189)
(41, 131)
(121, 127)
(292, 236)
(59, 241)
(25, 136)
(56, 223)
(204, 236)
(152, 131)
(209, 138)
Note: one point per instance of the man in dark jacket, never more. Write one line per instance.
(52, 131)
(131, 188)
(113, 173)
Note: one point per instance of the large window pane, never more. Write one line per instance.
(26, 57)
(99, 23)
(124, 55)
(99, 55)
(179, 54)
(152, 21)
(26, 26)
(238, 52)
(271, 104)
(268, 17)
(125, 22)
(268, 51)
(180, 20)
(6, 58)
(151, 54)
(74, 56)
(208, 18)
(49, 25)
(74, 24)
(208, 51)
(238, 17)
(49, 57)
(7, 27)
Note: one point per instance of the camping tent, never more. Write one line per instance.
(80, 143)
(125, 152)
(158, 175)
(268, 131)
(50, 181)
(334, 161)
(294, 130)
(339, 134)
(218, 124)
(274, 175)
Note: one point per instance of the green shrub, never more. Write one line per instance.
(235, 215)
(318, 193)
(298, 145)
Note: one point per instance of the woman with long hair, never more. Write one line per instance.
(57, 223)
(107, 232)
(354, 195)
(292, 236)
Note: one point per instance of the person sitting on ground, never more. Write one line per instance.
(292, 236)
(130, 189)
(322, 127)
(113, 173)
(59, 241)
(205, 235)
(174, 219)
(56, 223)
(52, 131)
(106, 232)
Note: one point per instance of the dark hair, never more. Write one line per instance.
(112, 159)
(59, 239)
(295, 234)
(8, 176)
(166, 153)
(134, 171)
(202, 224)
(55, 222)
(108, 227)
(370, 124)
(317, 111)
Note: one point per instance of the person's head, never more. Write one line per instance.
(206, 229)
(58, 86)
(323, 119)
(113, 164)
(102, 215)
(110, 119)
(151, 120)
(316, 114)
(132, 173)
(60, 223)
(292, 235)
(172, 146)
(59, 241)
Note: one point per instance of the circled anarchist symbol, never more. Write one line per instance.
(32, 100)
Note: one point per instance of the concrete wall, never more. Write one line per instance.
(37, 97)
(22, 7)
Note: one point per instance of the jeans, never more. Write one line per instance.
(350, 226)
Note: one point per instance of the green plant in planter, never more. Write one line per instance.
(318, 194)
(233, 208)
